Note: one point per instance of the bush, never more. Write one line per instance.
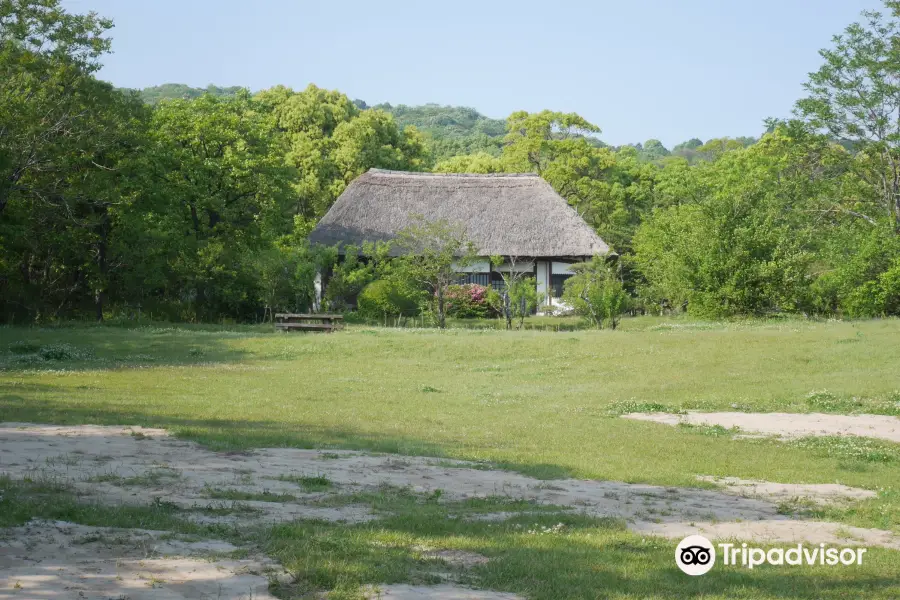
(63, 352)
(595, 292)
(472, 301)
(22, 347)
(385, 297)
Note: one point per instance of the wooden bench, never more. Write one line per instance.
(308, 322)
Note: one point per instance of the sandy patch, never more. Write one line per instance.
(433, 592)
(58, 560)
(454, 558)
(110, 464)
(818, 493)
(787, 425)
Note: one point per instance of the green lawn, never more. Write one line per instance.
(541, 402)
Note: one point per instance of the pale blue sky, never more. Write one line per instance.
(666, 69)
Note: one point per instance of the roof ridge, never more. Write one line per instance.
(449, 175)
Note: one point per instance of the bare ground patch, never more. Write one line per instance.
(58, 560)
(816, 493)
(133, 465)
(786, 425)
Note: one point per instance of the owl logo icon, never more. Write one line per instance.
(695, 555)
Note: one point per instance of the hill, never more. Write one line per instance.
(170, 91)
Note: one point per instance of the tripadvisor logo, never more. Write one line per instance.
(696, 555)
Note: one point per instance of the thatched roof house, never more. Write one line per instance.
(506, 214)
(511, 215)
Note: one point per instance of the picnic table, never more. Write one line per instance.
(308, 322)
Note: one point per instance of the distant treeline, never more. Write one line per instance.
(454, 130)
(195, 204)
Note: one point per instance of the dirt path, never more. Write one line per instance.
(133, 465)
(787, 425)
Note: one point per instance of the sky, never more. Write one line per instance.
(641, 69)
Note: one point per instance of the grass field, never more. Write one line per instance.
(544, 403)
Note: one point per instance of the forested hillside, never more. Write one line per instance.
(198, 207)
(448, 130)
(179, 91)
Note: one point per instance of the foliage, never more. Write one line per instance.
(220, 190)
(472, 301)
(432, 253)
(66, 146)
(864, 281)
(450, 130)
(195, 203)
(652, 150)
(390, 297)
(742, 241)
(610, 189)
(595, 292)
(358, 268)
(180, 91)
(519, 297)
(329, 142)
(855, 98)
(480, 162)
(523, 299)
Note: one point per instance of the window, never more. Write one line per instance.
(478, 278)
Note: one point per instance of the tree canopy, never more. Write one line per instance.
(196, 203)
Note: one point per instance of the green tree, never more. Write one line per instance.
(218, 190)
(66, 147)
(515, 301)
(717, 147)
(596, 292)
(653, 150)
(433, 252)
(855, 98)
(523, 298)
(330, 142)
(610, 189)
(743, 239)
(47, 56)
(480, 162)
(534, 140)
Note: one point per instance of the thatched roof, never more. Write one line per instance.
(505, 214)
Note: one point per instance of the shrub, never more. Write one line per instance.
(596, 292)
(472, 301)
(386, 297)
(22, 347)
(62, 352)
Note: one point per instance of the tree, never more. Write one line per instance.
(534, 140)
(512, 295)
(47, 56)
(691, 144)
(523, 299)
(716, 147)
(653, 150)
(218, 189)
(433, 253)
(66, 145)
(596, 292)
(609, 189)
(855, 98)
(330, 141)
(743, 239)
(480, 162)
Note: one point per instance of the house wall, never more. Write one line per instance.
(520, 267)
(543, 278)
(478, 266)
(561, 268)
